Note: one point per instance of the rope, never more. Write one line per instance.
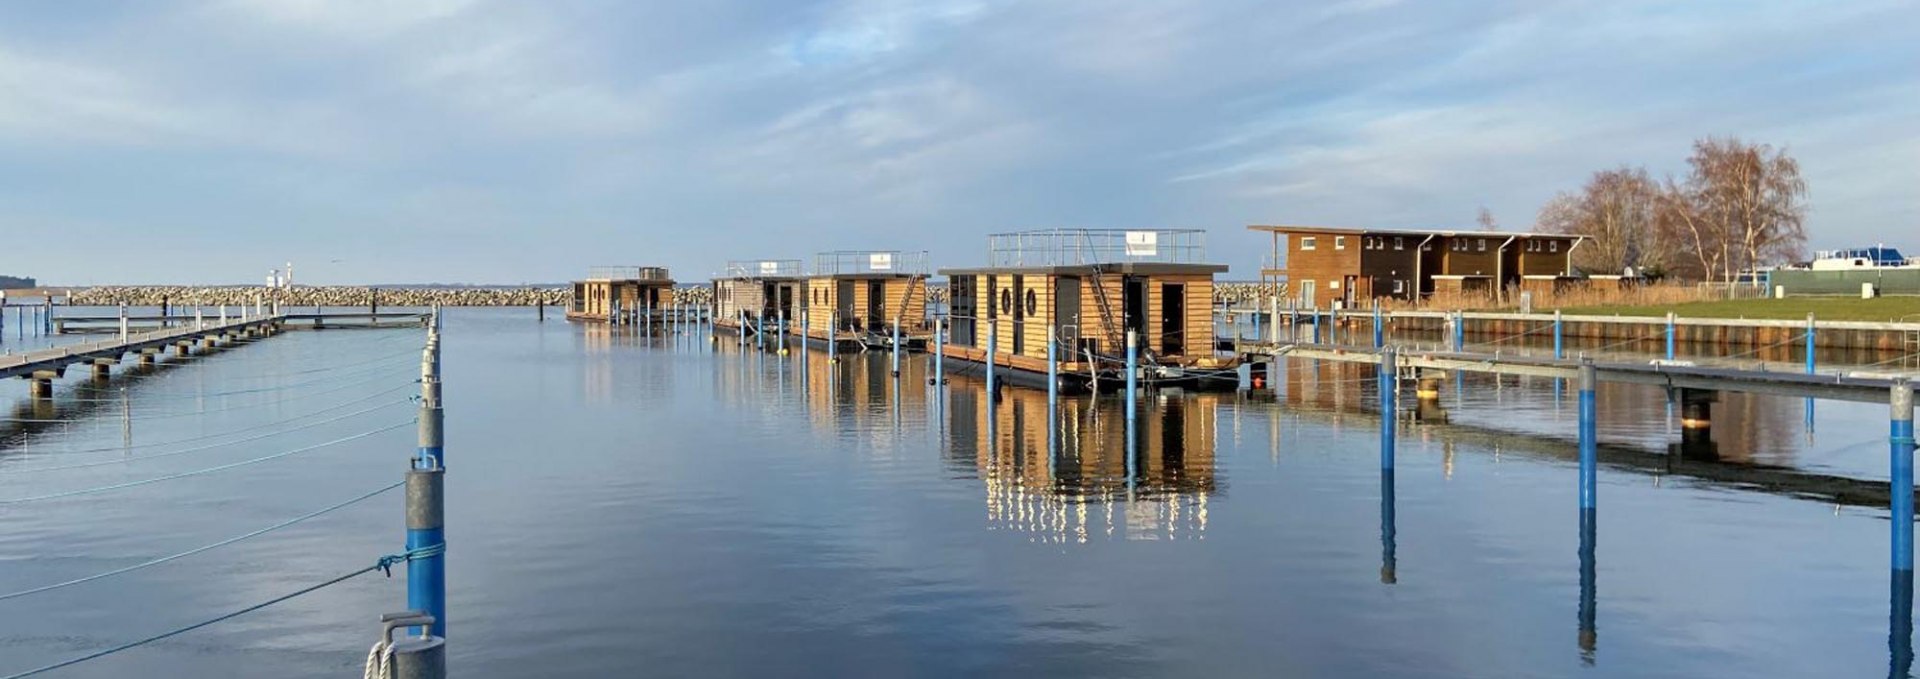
(199, 472)
(1542, 326)
(200, 549)
(211, 446)
(242, 430)
(379, 661)
(383, 564)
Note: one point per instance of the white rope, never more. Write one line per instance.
(379, 661)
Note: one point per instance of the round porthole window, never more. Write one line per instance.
(1006, 301)
(1033, 303)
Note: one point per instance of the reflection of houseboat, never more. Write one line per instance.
(857, 297)
(753, 292)
(621, 295)
(1081, 478)
(1090, 288)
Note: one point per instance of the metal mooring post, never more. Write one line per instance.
(1133, 372)
(1053, 373)
(939, 350)
(1559, 349)
(993, 336)
(1901, 466)
(1670, 324)
(805, 355)
(1810, 328)
(1379, 327)
(833, 341)
(1389, 406)
(426, 575)
(896, 347)
(1589, 433)
(1459, 331)
(412, 657)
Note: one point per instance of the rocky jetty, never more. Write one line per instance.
(1240, 294)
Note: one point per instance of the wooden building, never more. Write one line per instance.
(1336, 266)
(1089, 287)
(857, 297)
(621, 294)
(755, 291)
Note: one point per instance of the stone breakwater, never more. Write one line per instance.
(348, 296)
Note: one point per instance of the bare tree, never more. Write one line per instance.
(1486, 221)
(1618, 211)
(1742, 206)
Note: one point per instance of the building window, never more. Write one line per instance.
(1339, 242)
(1308, 242)
(1399, 287)
(1483, 244)
(1333, 284)
(1553, 245)
(1399, 242)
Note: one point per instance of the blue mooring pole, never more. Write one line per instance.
(939, 350)
(1389, 406)
(1133, 372)
(1589, 432)
(833, 342)
(1379, 327)
(1670, 321)
(426, 575)
(1901, 446)
(1053, 373)
(1810, 345)
(1559, 346)
(1459, 331)
(896, 347)
(993, 335)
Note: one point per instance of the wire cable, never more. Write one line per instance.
(171, 453)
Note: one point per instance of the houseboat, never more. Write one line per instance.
(1087, 289)
(1340, 267)
(856, 298)
(756, 294)
(1876, 257)
(622, 295)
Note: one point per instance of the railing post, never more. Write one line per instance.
(1670, 327)
(1389, 406)
(1589, 432)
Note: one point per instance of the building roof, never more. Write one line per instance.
(1406, 232)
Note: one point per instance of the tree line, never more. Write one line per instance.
(1740, 206)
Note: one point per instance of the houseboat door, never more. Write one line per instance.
(784, 292)
(843, 305)
(1066, 313)
(961, 314)
(1173, 316)
(1019, 314)
(876, 305)
(1133, 302)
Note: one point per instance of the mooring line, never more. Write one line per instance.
(242, 430)
(211, 446)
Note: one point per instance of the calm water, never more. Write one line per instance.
(669, 507)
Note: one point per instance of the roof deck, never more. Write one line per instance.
(764, 268)
(651, 274)
(870, 263)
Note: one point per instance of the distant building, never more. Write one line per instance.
(17, 283)
(621, 294)
(1327, 265)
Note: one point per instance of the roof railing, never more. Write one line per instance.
(1072, 247)
(763, 268)
(855, 262)
(627, 273)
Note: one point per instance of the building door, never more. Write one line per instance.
(843, 305)
(1346, 291)
(877, 305)
(1173, 319)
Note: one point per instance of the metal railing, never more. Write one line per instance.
(845, 262)
(627, 273)
(1068, 247)
(763, 268)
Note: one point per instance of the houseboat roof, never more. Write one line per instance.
(1302, 228)
(629, 274)
(764, 269)
(1089, 247)
(870, 264)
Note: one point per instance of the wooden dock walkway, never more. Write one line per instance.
(45, 365)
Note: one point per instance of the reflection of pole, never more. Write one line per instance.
(1389, 560)
(1589, 632)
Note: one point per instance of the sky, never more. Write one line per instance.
(475, 141)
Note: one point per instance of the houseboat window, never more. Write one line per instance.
(1307, 242)
(1339, 242)
(1483, 244)
(1033, 302)
(1006, 300)
(1399, 242)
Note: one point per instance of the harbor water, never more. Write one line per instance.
(626, 505)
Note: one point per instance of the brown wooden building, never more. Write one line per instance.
(1326, 266)
(856, 296)
(758, 290)
(620, 294)
(1089, 287)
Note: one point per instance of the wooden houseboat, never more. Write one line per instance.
(1089, 288)
(757, 292)
(856, 297)
(625, 295)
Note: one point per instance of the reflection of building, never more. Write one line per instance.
(1082, 483)
(858, 296)
(756, 290)
(620, 294)
(1088, 288)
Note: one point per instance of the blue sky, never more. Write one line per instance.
(479, 141)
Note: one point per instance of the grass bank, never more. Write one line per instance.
(1882, 309)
